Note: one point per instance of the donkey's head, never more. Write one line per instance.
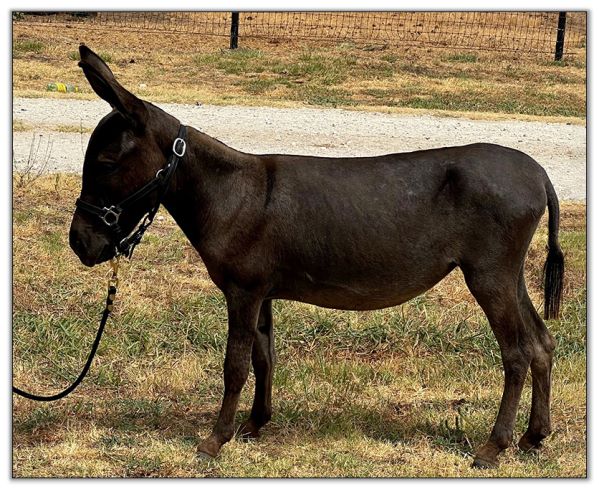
(125, 151)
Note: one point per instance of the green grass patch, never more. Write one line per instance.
(260, 86)
(382, 95)
(231, 62)
(106, 57)
(575, 242)
(471, 101)
(462, 58)
(576, 63)
(21, 47)
(324, 96)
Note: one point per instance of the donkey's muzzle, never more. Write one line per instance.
(91, 249)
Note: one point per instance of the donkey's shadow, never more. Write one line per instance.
(173, 420)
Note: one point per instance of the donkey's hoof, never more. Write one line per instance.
(486, 456)
(481, 463)
(248, 431)
(208, 449)
(528, 446)
(204, 456)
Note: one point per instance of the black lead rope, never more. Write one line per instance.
(107, 310)
(124, 246)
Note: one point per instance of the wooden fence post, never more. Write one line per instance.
(561, 34)
(234, 30)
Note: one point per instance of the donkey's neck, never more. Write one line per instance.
(213, 186)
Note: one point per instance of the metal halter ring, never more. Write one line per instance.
(181, 142)
(111, 215)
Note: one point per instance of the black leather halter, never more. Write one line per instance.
(110, 216)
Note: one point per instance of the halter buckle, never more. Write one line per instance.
(111, 215)
(179, 142)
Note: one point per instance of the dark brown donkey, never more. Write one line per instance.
(344, 233)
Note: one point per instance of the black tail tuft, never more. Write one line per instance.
(554, 281)
(554, 265)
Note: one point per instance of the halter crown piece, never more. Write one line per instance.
(110, 216)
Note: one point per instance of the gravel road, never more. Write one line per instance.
(559, 148)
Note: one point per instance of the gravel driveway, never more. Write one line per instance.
(559, 148)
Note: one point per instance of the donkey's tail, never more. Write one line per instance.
(554, 264)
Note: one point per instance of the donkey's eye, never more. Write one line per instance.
(107, 166)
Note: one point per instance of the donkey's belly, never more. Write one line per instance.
(348, 301)
(357, 295)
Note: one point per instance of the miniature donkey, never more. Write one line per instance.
(344, 233)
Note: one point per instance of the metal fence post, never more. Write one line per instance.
(561, 34)
(234, 30)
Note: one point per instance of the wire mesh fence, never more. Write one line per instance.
(541, 33)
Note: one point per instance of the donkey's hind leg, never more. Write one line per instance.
(497, 293)
(263, 359)
(539, 424)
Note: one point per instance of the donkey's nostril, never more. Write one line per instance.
(74, 240)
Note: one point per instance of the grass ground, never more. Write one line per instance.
(165, 67)
(402, 392)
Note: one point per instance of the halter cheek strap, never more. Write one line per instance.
(110, 216)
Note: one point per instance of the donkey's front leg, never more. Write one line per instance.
(243, 309)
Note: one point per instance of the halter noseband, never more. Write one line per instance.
(110, 216)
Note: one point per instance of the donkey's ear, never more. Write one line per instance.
(104, 83)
